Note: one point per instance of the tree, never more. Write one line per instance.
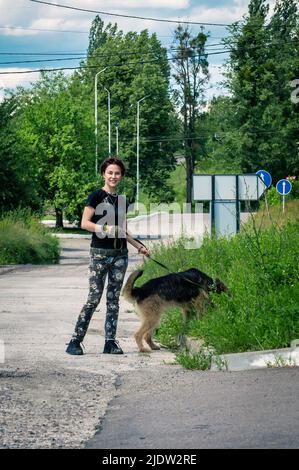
(53, 132)
(191, 74)
(263, 61)
(282, 112)
(137, 66)
(18, 188)
(219, 137)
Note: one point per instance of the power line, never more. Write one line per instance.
(40, 60)
(81, 32)
(206, 53)
(42, 53)
(44, 30)
(204, 134)
(164, 47)
(78, 57)
(69, 7)
(96, 66)
(76, 31)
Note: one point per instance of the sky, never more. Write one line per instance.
(31, 28)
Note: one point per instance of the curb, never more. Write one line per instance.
(70, 235)
(77, 235)
(284, 357)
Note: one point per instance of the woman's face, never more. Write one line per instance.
(112, 175)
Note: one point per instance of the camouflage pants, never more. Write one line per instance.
(114, 264)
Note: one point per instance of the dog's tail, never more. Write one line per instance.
(129, 291)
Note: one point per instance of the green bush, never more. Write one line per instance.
(23, 239)
(275, 199)
(260, 267)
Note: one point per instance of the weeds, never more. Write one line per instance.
(282, 362)
(260, 267)
(23, 239)
(200, 360)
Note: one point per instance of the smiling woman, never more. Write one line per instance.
(105, 216)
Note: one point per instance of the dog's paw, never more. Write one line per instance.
(155, 347)
(145, 350)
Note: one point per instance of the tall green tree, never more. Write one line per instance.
(219, 136)
(137, 67)
(281, 111)
(18, 188)
(263, 60)
(191, 75)
(52, 131)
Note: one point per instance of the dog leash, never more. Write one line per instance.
(167, 269)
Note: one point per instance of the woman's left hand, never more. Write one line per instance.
(144, 251)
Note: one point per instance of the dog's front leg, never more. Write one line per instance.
(187, 312)
(149, 340)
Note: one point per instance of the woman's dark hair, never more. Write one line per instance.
(113, 161)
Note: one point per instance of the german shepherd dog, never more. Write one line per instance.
(188, 290)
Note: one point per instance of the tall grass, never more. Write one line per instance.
(260, 267)
(23, 239)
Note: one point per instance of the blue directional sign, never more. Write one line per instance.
(284, 187)
(265, 176)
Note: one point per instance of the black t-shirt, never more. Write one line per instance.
(109, 210)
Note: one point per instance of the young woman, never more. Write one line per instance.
(105, 216)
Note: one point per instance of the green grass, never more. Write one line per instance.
(177, 181)
(23, 239)
(200, 360)
(68, 230)
(260, 267)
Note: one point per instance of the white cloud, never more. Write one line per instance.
(21, 12)
(107, 5)
(61, 23)
(226, 14)
(17, 32)
(10, 81)
(13, 80)
(216, 73)
(216, 77)
(33, 15)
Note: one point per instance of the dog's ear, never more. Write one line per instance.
(220, 286)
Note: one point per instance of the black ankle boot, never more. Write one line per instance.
(112, 347)
(74, 348)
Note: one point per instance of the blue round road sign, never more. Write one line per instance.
(284, 187)
(265, 176)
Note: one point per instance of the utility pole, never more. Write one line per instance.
(116, 129)
(96, 116)
(137, 152)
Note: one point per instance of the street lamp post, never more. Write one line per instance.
(109, 123)
(137, 152)
(96, 117)
(109, 120)
(116, 129)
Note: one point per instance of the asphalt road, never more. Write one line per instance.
(49, 399)
(172, 408)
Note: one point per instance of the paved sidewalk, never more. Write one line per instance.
(49, 398)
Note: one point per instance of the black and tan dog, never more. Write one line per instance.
(188, 290)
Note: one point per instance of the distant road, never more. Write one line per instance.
(164, 225)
